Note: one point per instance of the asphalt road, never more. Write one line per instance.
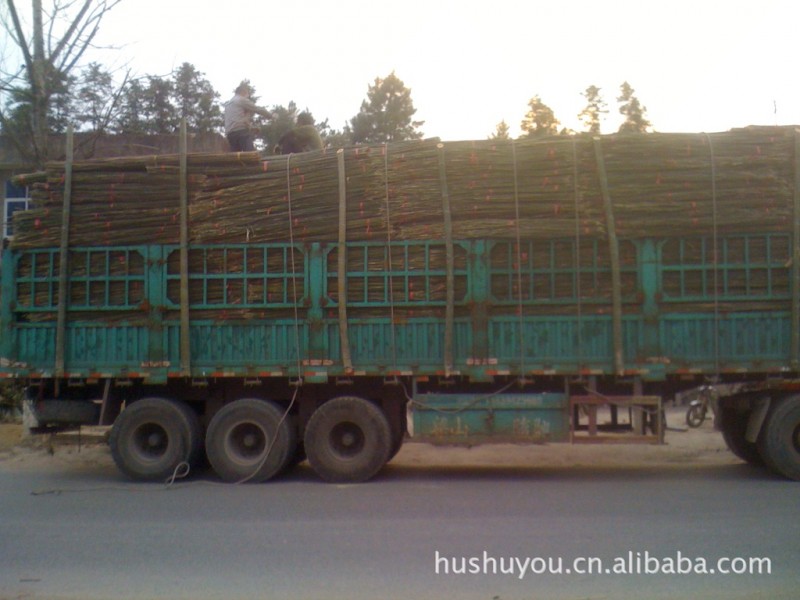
(85, 533)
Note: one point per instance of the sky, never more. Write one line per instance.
(699, 65)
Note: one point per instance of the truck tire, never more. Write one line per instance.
(152, 436)
(733, 425)
(398, 436)
(249, 440)
(348, 439)
(779, 440)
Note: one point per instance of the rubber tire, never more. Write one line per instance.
(230, 456)
(398, 437)
(779, 440)
(695, 416)
(325, 442)
(298, 456)
(195, 432)
(152, 420)
(733, 425)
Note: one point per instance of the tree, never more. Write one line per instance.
(334, 138)
(595, 107)
(502, 132)
(95, 98)
(160, 116)
(50, 50)
(196, 100)
(540, 119)
(386, 115)
(131, 117)
(632, 110)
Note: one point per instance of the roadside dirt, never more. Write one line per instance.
(703, 446)
(10, 435)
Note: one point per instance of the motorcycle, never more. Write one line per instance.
(698, 409)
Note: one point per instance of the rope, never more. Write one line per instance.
(182, 469)
(264, 458)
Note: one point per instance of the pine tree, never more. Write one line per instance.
(502, 132)
(595, 107)
(386, 115)
(632, 110)
(95, 98)
(196, 100)
(540, 119)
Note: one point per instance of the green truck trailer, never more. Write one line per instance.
(259, 311)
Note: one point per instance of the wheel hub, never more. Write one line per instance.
(150, 441)
(246, 442)
(347, 439)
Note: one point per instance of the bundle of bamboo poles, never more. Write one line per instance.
(658, 184)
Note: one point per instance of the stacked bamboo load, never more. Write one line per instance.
(659, 185)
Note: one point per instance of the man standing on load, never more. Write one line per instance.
(239, 112)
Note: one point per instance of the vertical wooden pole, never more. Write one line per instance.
(450, 259)
(63, 263)
(341, 280)
(795, 352)
(185, 338)
(613, 250)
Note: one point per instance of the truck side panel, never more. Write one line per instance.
(262, 316)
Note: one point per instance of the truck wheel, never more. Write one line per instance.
(734, 427)
(249, 440)
(398, 436)
(779, 441)
(348, 439)
(152, 436)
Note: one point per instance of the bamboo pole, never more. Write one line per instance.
(613, 250)
(185, 341)
(795, 353)
(341, 280)
(449, 261)
(63, 264)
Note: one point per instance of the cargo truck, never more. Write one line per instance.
(260, 311)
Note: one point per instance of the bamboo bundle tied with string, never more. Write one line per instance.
(660, 184)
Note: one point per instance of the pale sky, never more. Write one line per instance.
(697, 65)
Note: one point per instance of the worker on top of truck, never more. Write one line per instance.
(303, 137)
(239, 112)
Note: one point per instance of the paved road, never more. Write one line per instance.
(297, 538)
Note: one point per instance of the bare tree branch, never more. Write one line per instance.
(19, 35)
(59, 37)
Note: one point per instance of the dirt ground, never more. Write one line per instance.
(10, 435)
(703, 446)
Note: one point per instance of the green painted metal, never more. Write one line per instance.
(255, 311)
(450, 418)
